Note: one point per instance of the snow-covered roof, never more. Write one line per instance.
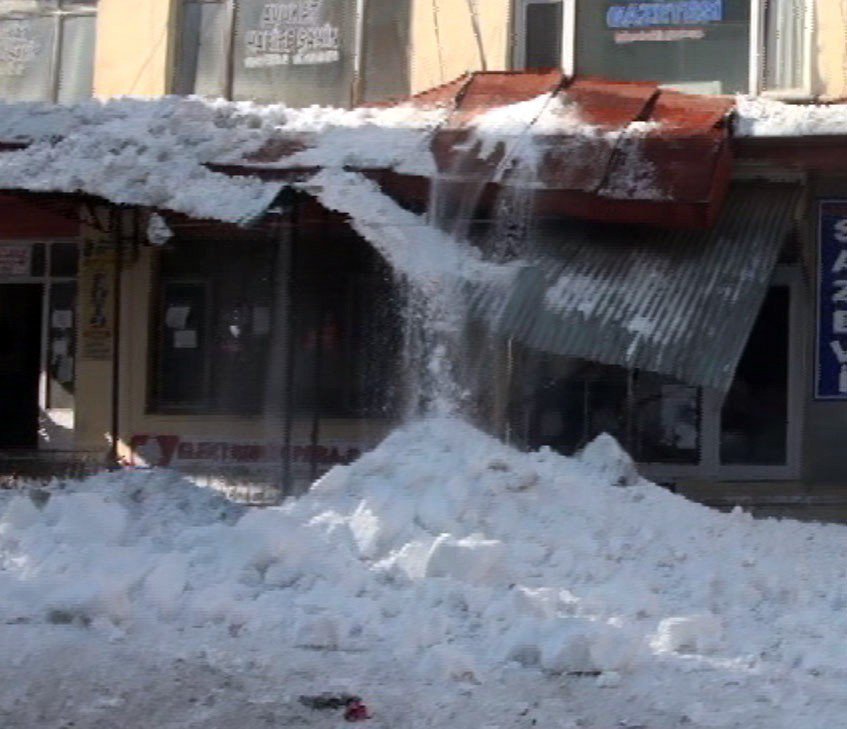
(171, 153)
(155, 153)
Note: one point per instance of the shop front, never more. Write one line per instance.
(689, 347)
(259, 356)
(39, 252)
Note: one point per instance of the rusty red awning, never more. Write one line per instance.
(642, 154)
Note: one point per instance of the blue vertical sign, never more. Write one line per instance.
(831, 369)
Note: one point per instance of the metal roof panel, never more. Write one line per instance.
(680, 303)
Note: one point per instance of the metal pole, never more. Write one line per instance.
(229, 80)
(358, 85)
(117, 242)
(316, 410)
(290, 354)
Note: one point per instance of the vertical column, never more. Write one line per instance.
(96, 332)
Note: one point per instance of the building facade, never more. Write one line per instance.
(168, 356)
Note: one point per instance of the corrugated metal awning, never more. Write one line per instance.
(677, 303)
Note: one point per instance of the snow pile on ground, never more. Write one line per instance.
(760, 117)
(449, 579)
(154, 153)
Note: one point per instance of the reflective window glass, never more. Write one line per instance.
(26, 58)
(299, 52)
(204, 40)
(543, 41)
(76, 67)
(701, 45)
(47, 49)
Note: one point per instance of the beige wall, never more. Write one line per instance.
(444, 44)
(92, 415)
(829, 71)
(134, 47)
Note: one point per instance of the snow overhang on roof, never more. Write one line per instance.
(614, 151)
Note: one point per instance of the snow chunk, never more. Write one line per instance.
(473, 559)
(158, 232)
(614, 464)
(691, 634)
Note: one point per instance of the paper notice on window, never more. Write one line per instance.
(185, 339)
(60, 347)
(261, 320)
(177, 316)
(62, 319)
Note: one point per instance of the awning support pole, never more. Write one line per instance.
(116, 223)
(291, 346)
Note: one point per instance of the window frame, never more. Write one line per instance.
(231, 10)
(64, 10)
(756, 45)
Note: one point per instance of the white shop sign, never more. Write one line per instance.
(294, 33)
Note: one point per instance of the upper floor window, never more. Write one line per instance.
(301, 52)
(703, 46)
(47, 49)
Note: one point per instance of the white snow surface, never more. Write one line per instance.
(421, 252)
(761, 117)
(153, 152)
(446, 578)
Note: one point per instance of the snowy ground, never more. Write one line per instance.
(449, 580)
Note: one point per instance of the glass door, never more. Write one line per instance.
(752, 433)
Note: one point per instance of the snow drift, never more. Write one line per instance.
(444, 558)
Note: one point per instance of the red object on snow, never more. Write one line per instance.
(356, 711)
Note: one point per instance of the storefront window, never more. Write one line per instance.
(61, 344)
(215, 328)
(47, 49)
(347, 330)
(701, 43)
(701, 46)
(541, 22)
(656, 418)
(299, 52)
(212, 326)
(754, 419)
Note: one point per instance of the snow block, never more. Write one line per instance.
(690, 634)
(472, 559)
(605, 455)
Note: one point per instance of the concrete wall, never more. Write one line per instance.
(134, 47)
(830, 49)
